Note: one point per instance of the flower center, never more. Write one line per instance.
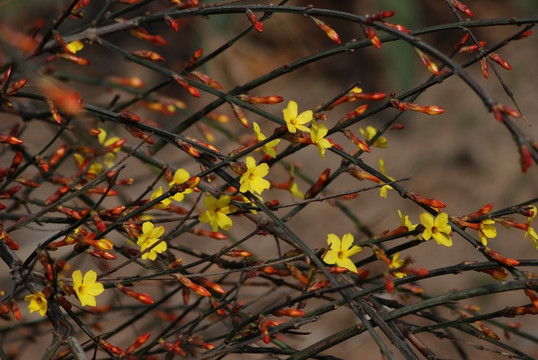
(341, 254)
(434, 230)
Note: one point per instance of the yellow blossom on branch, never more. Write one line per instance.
(252, 180)
(531, 233)
(38, 302)
(397, 263)
(370, 132)
(88, 288)
(296, 122)
(180, 176)
(217, 212)
(317, 134)
(404, 221)
(340, 252)
(384, 188)
(94, 169)
(268, 148)
(150, 235)
(486, 230)
(110, 156)
(437, 227)
(75, 46)
(164, 204)
(533, 236)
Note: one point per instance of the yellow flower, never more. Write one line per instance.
(38, 302)
(164, 204)
(217, 212)
(180, 176)
(437, 228)
(531, 233)
(397, 263)
(94, 169)
(75, 46)
(296, 122)
(110, 157)
(150, 235)
(533, 236)
(370, 133)
(88, 288)
(383, 189)
(294, 190)
(404, 221)
(487, 230)
(340, 251)
(268, 148)
(252, 180)
(317, 134)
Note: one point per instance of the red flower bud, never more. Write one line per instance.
(333, 35)
(288, 312)
(138, 342)
(370, 34)
(257, 24)
(148, 55)
(462, 7)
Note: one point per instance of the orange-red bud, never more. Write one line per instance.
(127, 115)
(434, 203)
(206, 80)
(462, 7)
(10, 140)
(200, 290)
(133, 81)
(240, 115)
(238, 253)
(149, 55)
(15, 310)
(288, 312)
(171, 22)
(172, 347)
(430, 110)
(142, 33)
(13, 89)
(101, 254)
(188, 148)
(262, 325)
(314, 189)
(210, 234)
(113, 349)
(499, 60)
(362, 145)
(333, 35)
(495, 255)
(498, 273)
(209, 284)
(138, 342)
(185, 85)
(430, 65)
(256, 23)
(525, 158)
(318, 285)
(370, 34)
(143, 298)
